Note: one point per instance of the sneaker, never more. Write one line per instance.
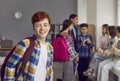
(94, 79)
(88, 72)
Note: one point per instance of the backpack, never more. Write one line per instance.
(24, 60)
(60, 49)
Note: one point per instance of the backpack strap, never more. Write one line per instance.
(4, 63)
(26, 56)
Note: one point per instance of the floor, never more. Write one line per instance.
(58, 67)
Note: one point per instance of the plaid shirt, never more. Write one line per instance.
(71, 50)
(84, 51)
(31, 65)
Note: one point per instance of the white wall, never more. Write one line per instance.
(106, 13)
(82, 11)
(118, 12)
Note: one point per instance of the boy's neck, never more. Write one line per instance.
(104, 34)
(42, 41)
(84, 34)
(118, 36)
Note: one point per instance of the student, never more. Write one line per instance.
(73, 55)
(74, 19)
(98, 56)
(85, 43)
(115, 51)
(112, 42)
(39, 67)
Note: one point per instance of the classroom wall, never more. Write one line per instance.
(95, 12)
(17, 29)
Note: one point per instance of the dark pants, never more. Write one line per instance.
(82, 66)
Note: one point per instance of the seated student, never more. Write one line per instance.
(113, 51)
(112, 42)
(98, 56)
(85, 43)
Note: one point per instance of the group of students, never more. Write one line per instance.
(40, 65)
(79, 48)
(107, 55)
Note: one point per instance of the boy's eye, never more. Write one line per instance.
(37, 25)
(45, 25)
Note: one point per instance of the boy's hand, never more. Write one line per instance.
(112, 49)
(83, 44)
(76, 59)
(103, 54)
(97, 50)
(88, 40)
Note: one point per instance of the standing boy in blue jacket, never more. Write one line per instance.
(85, 43)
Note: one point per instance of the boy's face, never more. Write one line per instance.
(84, 30)
(42, 28)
